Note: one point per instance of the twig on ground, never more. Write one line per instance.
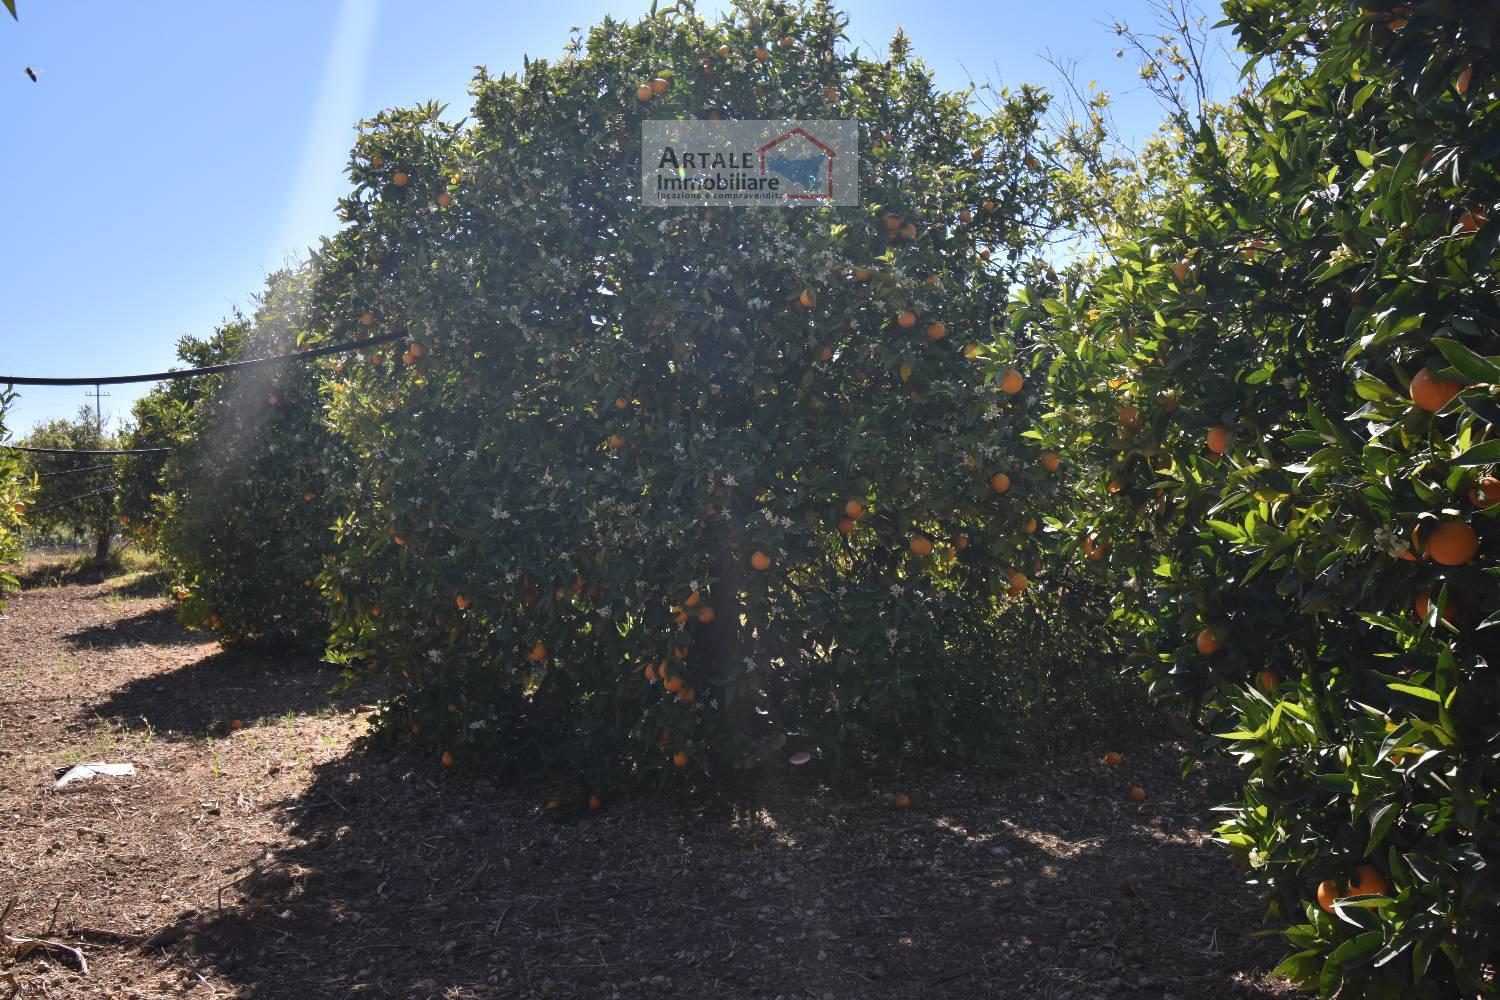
(22, 946)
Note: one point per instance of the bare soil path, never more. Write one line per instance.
(276, 860)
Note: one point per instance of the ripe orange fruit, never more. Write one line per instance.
(1051, 462)
(1368, 881)
(762, 53)
(854, 510)
(847, 526)
(1167, 400)
(1218, 440)
(724, 51)
(377, 162)
(807, 299)
(1018, 582)
(447, 759)
(595, 803)
(692, 600)
(999, 482)
(1030, 526)
(987, 207)
(707, 615)
(1484, 494)
(444, 200)
(1423, 604)
(416, 729)
(971, 351)
(1112, 759)
(1116, 485)
(936, 331)
(1012, 381)
(1130, 417)
(759, 560)
(825, 354)
(961, 542)
(1464, 79)
(552, 804)
(1180, 271)
(1452, 543)
(1471, 220)
(368, 319)
(906, 319)
(901, 801)
(659, 85)
(1137, 794)
(462, 602)
(650, 673)
(680, 759)
(1432, 394)
(1328, 891)
(1268, 679)
(1093, 549)
(399, 179)
(921, 545)
(787, 42)
(617, 441)
(1208, 643)
(643, 93)
(538, 653)
(237, 724)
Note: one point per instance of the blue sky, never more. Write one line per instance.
(172, 153)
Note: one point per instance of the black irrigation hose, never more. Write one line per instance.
(348, 345)
(71, 451)
(64, 503)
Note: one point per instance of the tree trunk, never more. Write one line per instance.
(101, 546)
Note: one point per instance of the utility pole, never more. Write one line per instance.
(98, 409)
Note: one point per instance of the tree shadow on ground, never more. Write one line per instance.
(154, 627)
(201, 698)
(406, 881)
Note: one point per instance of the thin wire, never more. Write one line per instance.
(348, 345)
(63, 503)
(70, 451)
(74, 472)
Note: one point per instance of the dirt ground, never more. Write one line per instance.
(275, 860)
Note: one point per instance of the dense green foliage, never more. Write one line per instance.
(246, 508)
(15, 490)
(606, 412)
(163, 419)
(1341, 549)
(74, 495)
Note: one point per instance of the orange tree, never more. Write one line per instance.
(163, 419)
(15, 489)
(1284, 390)
(73, 496)
(245, 508)
(679, 490)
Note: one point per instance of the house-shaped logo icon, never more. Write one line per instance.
(804, 161)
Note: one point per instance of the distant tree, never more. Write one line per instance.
(74, 492)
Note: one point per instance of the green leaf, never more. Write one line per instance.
(1470, 365)
(10, 5)
(1416, 692)
(1480, 454)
